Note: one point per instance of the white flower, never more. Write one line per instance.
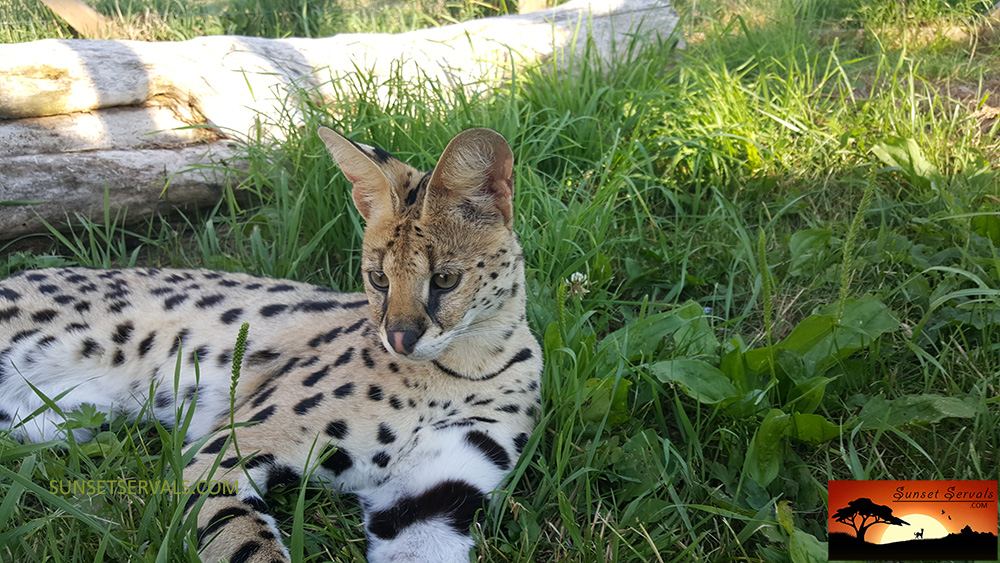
(578, 284)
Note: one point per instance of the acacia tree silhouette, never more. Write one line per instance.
(866, 509)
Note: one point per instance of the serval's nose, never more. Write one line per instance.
(403, 341)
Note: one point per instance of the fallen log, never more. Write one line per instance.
(78, 116)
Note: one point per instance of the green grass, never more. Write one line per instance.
(792, 251)
(177, 20)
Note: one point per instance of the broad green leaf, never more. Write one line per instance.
(906, 154)
(641, 464)
(805, 548)
(698, 379)
(822, 341)
(553, 340)
(640, 340)
(813, 428)
(766, 451)
(987, 225)
(806, 396)
(734, 367)
(807, 247)
(783, 513)
(602, 397)
(917, 409)
(696, 336)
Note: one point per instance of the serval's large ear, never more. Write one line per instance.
(474, 179)
(372, 190)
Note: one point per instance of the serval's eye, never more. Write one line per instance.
(379, 280)
(444, 282)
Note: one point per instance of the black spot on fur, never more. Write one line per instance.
(147, 344)
(9, 313)
(337, 429)
(90, 347)
(344, 358)
(259, 400)
(316, 376)
(262, 356)
(511, 408)
(258, 460)
(316, 306)
(119, 358)
(228, 283)
(519, 442)
(179, 341)
(198, 354)
(209, 301)
(272, 310)
(82, 306)
(220, 519)
(338, 462)
(163, 399)
(325, 338)
(280, 476)
(457, 501)
(174, 301)
(73, 327)
(123, 332)
(395, 403)
(393, 367)
(215, 446)
(381, 459)
(64, 299)
(489, 448)
(245, 552)
(305, 405)
(375, 392)
(366, 356)
(345, 390)
(9, 294)
(280, 288)
(231, 316)
(45, 315)
(263, 415)
(385, 434)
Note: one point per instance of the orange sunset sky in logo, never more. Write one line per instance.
(980, 513)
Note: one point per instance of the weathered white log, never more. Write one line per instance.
(76, 183)
(110, 94)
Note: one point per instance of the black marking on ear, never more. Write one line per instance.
(457, 501)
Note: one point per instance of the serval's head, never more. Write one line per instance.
(440, 260)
